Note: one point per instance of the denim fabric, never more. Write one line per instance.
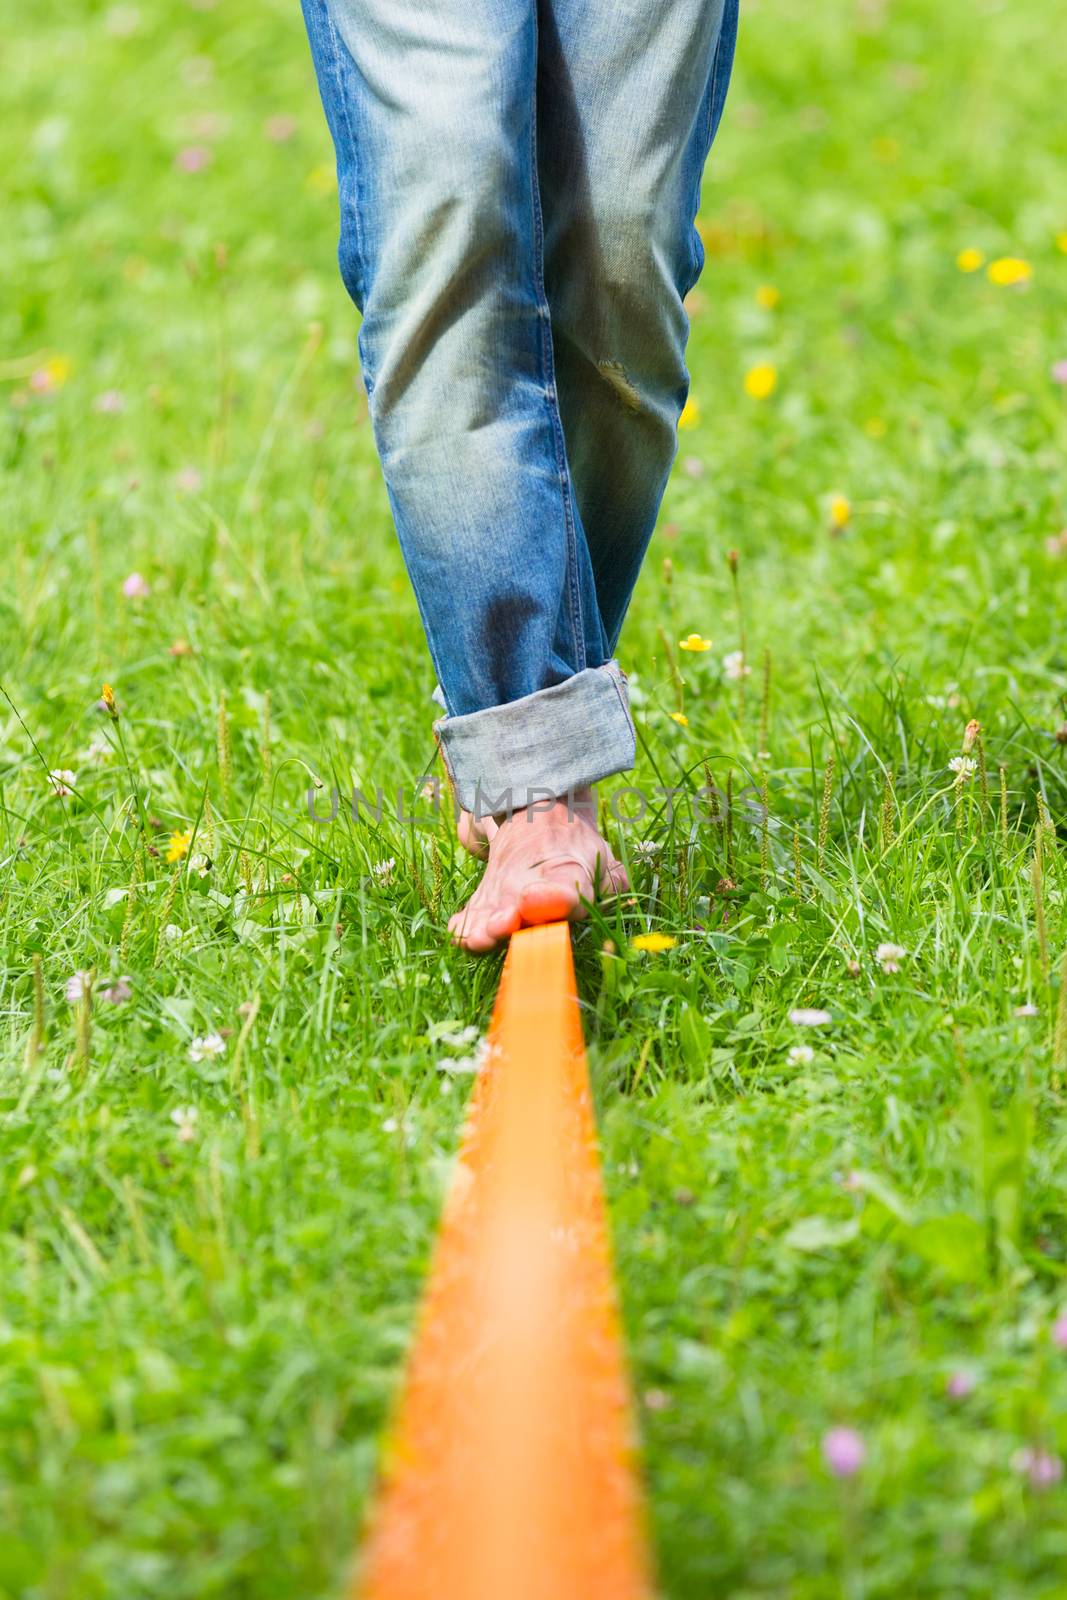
(518, 181)
(508, 757)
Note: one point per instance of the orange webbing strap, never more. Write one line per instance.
(510, 1472)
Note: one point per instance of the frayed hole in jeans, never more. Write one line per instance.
(614, 373)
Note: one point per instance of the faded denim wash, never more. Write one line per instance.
(518, 181)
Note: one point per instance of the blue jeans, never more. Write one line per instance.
(518, 181)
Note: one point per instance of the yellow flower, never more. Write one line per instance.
(107, 695)
(970, 260)
(653, 942)
(840, 510)
(680, 718)
(1061, 243)
(322, 179)
(694, 642)
(1007, 271)
(875, 428)
(690, 414)
(761, 380)
(767, 296)
(179, 845)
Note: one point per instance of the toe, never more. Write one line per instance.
(474, 936)
(503, 923)
(616, 879)
(549, 902)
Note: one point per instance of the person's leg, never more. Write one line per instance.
(629, 98)
(431, 106)
(432, 110)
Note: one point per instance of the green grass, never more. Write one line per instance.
(200, 1336)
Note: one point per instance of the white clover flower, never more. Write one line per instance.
(98, 749)
(801, 1055)
(62, 780)
(457, 1039)
(809, 1017)
(383, 870)
(184, 1119)
(964, 767)
(645, 849)
(210, 1044)
(78, 986)
(735, 666)
(1027, 1010)
(889, 957)
(459, 1065)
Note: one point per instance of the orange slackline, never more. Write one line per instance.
(510, 1474)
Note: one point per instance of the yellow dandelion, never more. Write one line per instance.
(694, 642)
(768, 296)
(690, 414)
(1009, 271)
(179, 845)
(322, 179)
(875, 428)
(1061, 243)
(107, 695)
(970, 260)
(680, 718)
(840, 510)
(761, 380)
(655, 943)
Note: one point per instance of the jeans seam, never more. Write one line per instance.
(548, 374)
(713, 102)
(337, 65)
(338, 71)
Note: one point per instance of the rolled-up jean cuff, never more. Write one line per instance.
(546, 744)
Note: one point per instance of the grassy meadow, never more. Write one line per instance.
(827, 1031)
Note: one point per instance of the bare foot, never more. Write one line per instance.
(544, 865)
(474, 832)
